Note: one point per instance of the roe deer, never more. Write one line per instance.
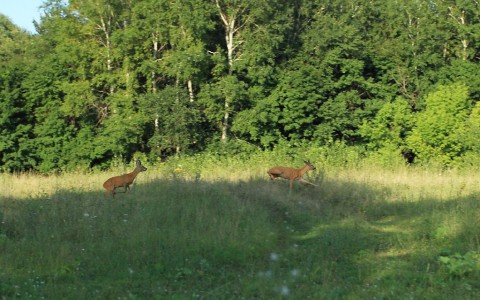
(291, 174)
(124, 180)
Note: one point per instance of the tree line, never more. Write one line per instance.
(111, 79)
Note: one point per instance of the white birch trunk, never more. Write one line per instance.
(190, 90)
(229, 24)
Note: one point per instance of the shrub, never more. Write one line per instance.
(437, 135)
(461, 265)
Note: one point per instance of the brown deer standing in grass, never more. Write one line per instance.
(291, 174)
(124, 180)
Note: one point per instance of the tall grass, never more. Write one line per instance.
(210, 228)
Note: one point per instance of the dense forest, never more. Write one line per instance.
(106, 80)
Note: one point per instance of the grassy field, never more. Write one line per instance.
(222, 230)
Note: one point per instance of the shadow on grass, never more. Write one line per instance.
(376, 246)
(247, 239)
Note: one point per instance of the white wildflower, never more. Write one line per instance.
(274, 256)
(295, 272)
(284, 290)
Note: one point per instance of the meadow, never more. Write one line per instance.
(202, 228)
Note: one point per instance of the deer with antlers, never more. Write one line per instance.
(291, 174)
(124, 180)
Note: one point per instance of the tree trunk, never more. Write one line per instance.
(106, 27)
(225, 121)
(190, 90)
(155, 57)
(229, 24)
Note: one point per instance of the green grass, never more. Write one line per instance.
(221, 230)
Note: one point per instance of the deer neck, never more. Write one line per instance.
(134, 174)
(303, 170)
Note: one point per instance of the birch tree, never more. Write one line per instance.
(238, 20)
(461, 20)
(186, 59)
(233, 17)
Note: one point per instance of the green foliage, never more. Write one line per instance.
(295, 103)
(123, 129)
(232, 148)
(16, 122)
(16, 109)
(464, 71)
(389, 156)
(461, 265)
(14, 43)
(174, 117)
(390, 126)
(471, 136)
(52, 135)
(470, 139)
(438, 130)
(268, 72)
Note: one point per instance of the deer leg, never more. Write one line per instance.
(272, 175)
(307, 182)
